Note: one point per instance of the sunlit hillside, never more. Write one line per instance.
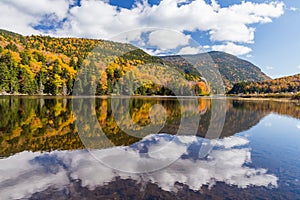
(46, 65)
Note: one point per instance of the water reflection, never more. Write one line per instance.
(43, 156)
(227, 162)
(46, 124)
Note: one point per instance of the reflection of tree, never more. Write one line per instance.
(241, 115)
(36, 124)
(266, 107)
(45, 124)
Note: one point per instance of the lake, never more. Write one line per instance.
(148, 148)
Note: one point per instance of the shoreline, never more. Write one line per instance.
(287, 96)
(251, 97)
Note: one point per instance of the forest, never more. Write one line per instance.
(231, 68)
(43, 65)
(288, 84)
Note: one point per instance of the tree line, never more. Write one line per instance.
(289, 84)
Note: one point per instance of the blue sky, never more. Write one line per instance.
(263, 32)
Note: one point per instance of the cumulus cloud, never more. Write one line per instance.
(166, 40)
(158, 41)
(99, 19)
(232, 48)
(206, 47)
(189, 50)
(23, 15)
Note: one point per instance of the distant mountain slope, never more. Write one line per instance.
(232, 68)
(279, 85)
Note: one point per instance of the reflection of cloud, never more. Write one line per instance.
(26, 173)
(298, 126)
(231, 142)
(23, 174)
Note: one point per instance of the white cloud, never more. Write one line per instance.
(22, 15)
(233, 32)
(157, 41)
(166, 39)
(206, 47)
(269, 68)
(189, 50)
(99, 19)
(232, 23)
(130, 36)
(215, 5)
(293, 9)
(298, 67)
(232, 48)
(59, 7)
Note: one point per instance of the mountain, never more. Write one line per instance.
(280, 85)
(46, 65)
(231, 68)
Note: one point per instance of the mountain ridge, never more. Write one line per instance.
(43, 64)
(232, 68)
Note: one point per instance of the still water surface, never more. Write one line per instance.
(48, 151)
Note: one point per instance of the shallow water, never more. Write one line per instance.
(148, 148)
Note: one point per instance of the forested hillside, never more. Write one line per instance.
(47, 65)
(232, 69)
(286, 84)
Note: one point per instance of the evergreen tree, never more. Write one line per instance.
(4, 77)
(28, 84)
(73, 63)
(12, 47)
(13, 72)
